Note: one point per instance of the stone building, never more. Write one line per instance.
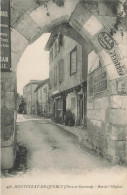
(30, 97)
(41, 93)
(65, 75)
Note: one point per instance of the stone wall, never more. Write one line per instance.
(107, 120)
(117, 118)
(8, 118)
(96, 123)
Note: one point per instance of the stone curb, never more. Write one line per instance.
(83, 142)
(80, 139)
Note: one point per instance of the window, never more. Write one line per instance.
(50, 80)
(55, 76)
(100, 65)
(55, 49)
(51, 55)
(40, 91)
(60, 42)
(73, 61)
(61, 70)
(60, 105)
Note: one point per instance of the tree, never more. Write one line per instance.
(18, 98)
(59, 3)
(22, 106)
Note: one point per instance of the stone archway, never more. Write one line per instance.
(93, 22)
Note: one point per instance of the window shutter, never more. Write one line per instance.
(55, 76)
(50, 79)
(51, 55)
(61, 70)
(73, 61)
(60, 42)
(55, 49)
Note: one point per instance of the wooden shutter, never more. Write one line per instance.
(55, 76)
(50, 79)
(73, 61)
(61, 70)
(51, 55)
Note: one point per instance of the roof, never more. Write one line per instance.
(50, 41)
(41, 84)
(32, 82)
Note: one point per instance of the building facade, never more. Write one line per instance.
(42, 97)
(30, 97)
(67, 88)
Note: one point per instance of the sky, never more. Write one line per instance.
(34, 63)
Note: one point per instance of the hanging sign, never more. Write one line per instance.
(107, 42)
(5, 43)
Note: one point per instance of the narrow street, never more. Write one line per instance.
(56, 164)
(51, 147)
